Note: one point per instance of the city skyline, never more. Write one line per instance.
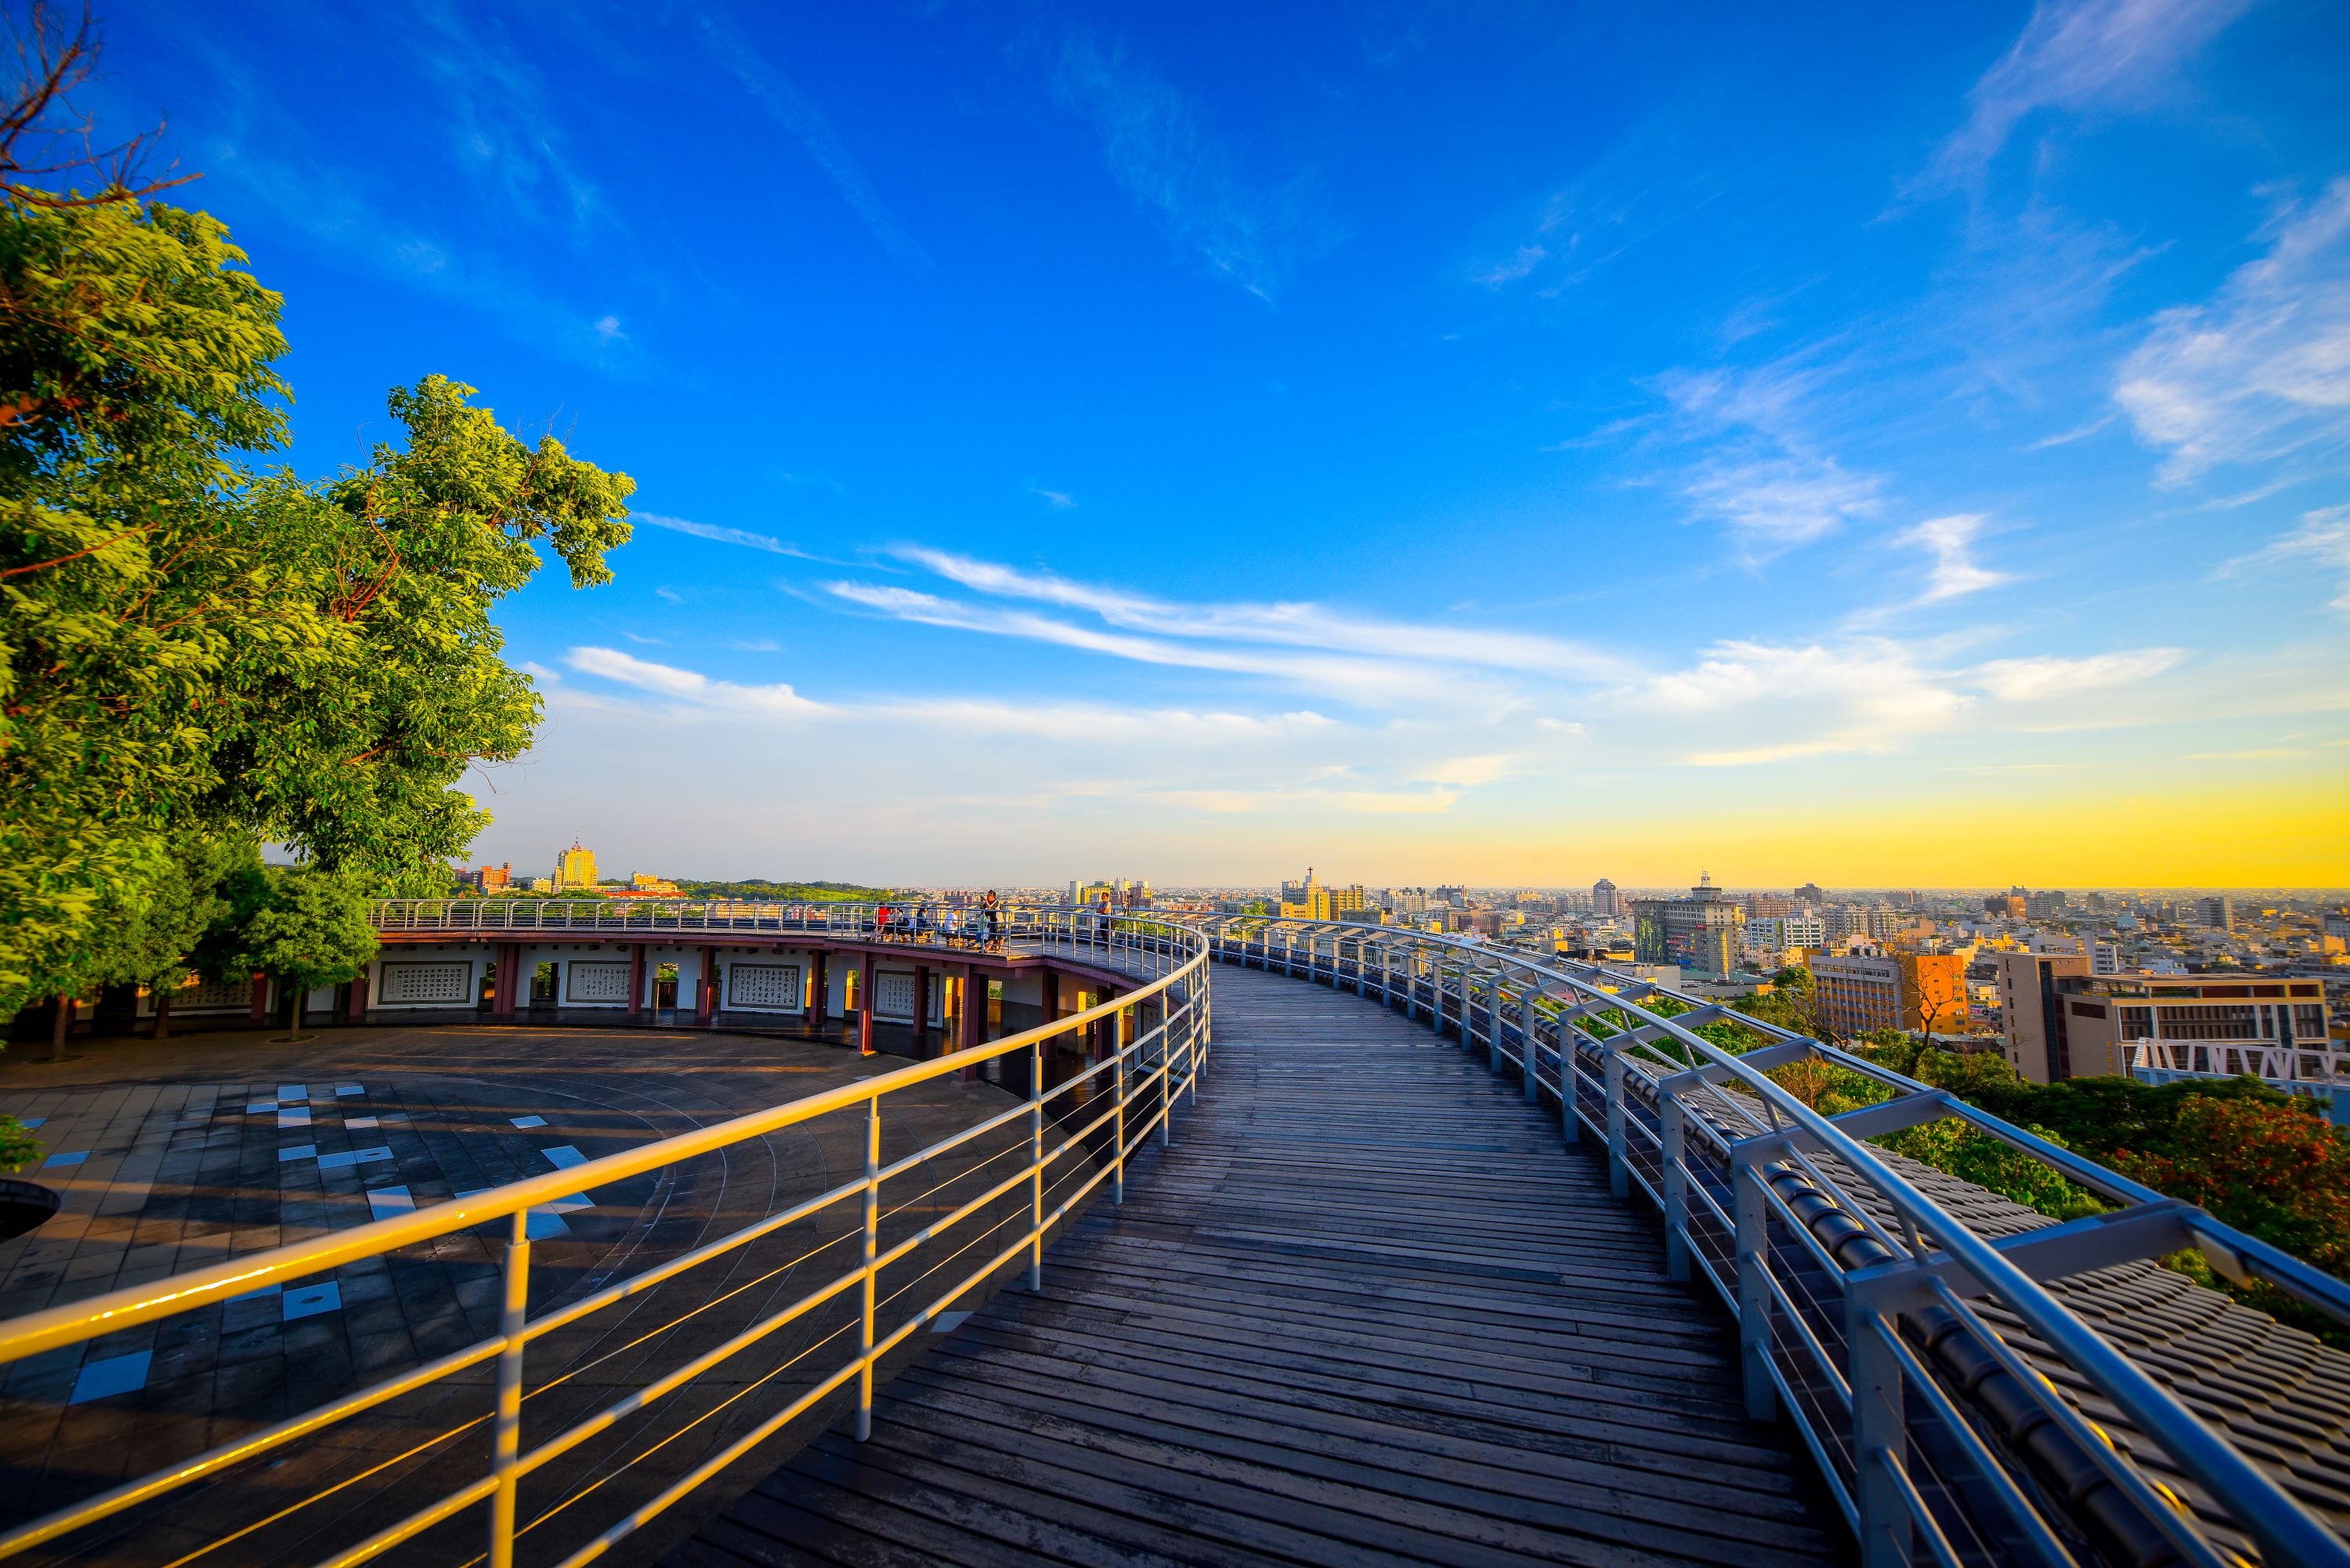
(1459, 448)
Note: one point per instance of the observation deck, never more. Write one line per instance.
(1462, 1254)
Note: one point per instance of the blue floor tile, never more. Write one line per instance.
(114, 1375)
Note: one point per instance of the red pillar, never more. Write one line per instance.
(501, 999)
(709, 986)
(921, 1007)
(865, 1005)
(636, 981)
(260, 1015)
(820, 993)
(970, 1016)
(358, 998)
(1103, 1032)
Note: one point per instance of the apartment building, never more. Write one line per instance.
(1700, 931)
(1871, 989)
(2059, 1020)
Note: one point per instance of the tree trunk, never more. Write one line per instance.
(162, 1015)
(58, 1025)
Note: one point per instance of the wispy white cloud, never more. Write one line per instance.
(1294, 625)
(1774, 504)
(2323, 538)
(720, 534)
(1377, 683)
(1059, 500)
(2066, 437)
(1768, 479)
(1252, 234)
(1518, 265)
(691, 686)
(2262, 370)
(2079, 55)
(2042, 677)
(1079, 723)
(1774, 703)
(797, 113)
(501, 120)
(1951, 540)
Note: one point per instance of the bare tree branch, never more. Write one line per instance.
(44, 138)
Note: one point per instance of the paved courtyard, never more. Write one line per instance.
(174, 1155)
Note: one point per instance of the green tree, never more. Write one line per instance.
(150, 937)
(192, 648)
(310, 928)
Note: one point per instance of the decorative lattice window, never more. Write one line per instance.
(586, 981)
(205, 995)
(764, 987)
(893, 996)
(421, 982)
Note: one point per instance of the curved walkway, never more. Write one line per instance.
(1365, 1310)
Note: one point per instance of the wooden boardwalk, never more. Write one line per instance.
(1365, 1310)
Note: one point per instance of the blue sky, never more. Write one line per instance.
(1502, 442)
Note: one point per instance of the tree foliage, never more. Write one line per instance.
(195, 650)
(310, 928)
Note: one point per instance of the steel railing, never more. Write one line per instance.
(1960, 1410)
(1148, 1045)
(896, 920)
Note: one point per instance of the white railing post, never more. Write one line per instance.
(1037, 1166)
(1675, 1130)
(1530, 988)
(1880, 1437)
(872, 1250)
(1492, 1020)
(1753, 1240)
(505, 1438)
(1118, 1090)
(1619, 1171)
(1570, 1087)
(1436, 991)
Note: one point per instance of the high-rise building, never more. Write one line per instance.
(1811, 893)
(1348, 899)
(2218, 913)
(1306, 900)
(574, 867)
(1701, 931)
(1768, 905)
(1603, 900)
(489, 878)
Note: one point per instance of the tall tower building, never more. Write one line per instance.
(1604, 900)
(1702, 931)
(574, 867)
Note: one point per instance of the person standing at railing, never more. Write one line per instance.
(991, 915)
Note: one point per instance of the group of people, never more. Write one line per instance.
(951, 925)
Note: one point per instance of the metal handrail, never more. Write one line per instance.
(1767, 1129)
(1142, 1078)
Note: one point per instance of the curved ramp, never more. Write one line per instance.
(1365, 1310)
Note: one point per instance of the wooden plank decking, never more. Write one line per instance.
(1365, 1310)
